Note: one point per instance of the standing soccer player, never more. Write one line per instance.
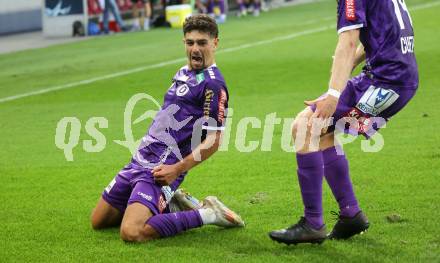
(388, 82)
(196, 101)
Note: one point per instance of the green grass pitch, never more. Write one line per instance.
(45, 201)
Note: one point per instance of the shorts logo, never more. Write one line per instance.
(162, 203)
(110, 185)
(350, 10)
(363, 121)
(375, 100)
(182, 90)
(145, 196)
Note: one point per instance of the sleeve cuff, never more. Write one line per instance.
(347, 28)
(211, 128)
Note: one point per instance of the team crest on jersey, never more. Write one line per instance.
(200, 77)
(350, 10)
(375, 100)
(182, 90)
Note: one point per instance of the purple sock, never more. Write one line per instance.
(310, 174)
(338, 178)
(171, 224)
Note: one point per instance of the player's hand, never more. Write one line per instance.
(166, 174)
(325, 108)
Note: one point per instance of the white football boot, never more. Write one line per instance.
(224, 216)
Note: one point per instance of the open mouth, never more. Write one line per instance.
(196, 58)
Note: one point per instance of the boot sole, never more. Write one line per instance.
(296, 242)
(344, 238)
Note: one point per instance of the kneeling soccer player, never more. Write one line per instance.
(388, 82)
(197, 99)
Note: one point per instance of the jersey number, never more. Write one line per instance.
(399, 14)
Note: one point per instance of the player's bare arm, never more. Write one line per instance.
(166, 174)
(359, 56)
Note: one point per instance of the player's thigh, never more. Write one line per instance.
(146, 200)
(105, 215)
(300, 123)
(134, 227)
(327, 140)
(135, 216)
(111, 206)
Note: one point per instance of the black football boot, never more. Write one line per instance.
(301, 232)
(347, 227)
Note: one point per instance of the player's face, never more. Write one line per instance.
(200, 49)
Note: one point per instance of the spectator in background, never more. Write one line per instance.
(251, 6)
(110, 6)
(138, 15)
(214, 8)
(202, 6)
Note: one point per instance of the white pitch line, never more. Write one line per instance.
(424, 6)
(276, 39)
(88, 81)
(179, 60)
(158, 65)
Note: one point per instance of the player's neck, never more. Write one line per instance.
(213, 64)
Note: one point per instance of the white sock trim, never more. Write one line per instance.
(207, 215)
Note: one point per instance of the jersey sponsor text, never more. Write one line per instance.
(407, 44)
(350, 10)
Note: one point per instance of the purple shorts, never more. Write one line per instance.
(132, 185)
(365, 107)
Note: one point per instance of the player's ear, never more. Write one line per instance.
(216, 42)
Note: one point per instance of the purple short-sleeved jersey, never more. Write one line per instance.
(387, 34)
(196, 101)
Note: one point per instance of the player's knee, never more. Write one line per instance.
(130, 233)
(133, 233)
(95, 225)
(96, 221)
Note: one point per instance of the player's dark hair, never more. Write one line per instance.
(202, 23)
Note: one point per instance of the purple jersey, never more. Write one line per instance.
(195, 101)
(387, 34)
